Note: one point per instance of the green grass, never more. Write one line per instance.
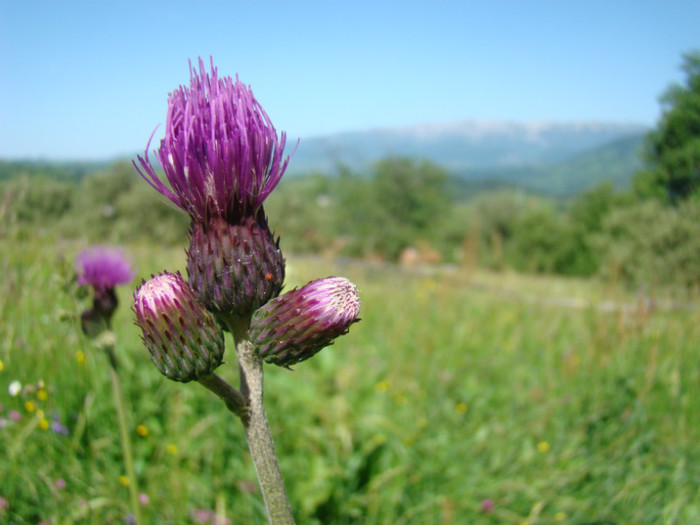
(453, 389)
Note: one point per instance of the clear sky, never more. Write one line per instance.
(90, 79)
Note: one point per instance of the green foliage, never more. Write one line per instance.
(72, 172)
(447, 393)
(650, 244)
(543, 242)
(673, 148)
(403, 202)
(113, 205)
(400, 203)
(38, 200)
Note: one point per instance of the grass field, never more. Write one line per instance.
(454, 389)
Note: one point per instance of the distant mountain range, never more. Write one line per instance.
(559, 159)
(554, 158)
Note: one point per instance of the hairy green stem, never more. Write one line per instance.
(124, 431)
(257, 430)
(235, 401)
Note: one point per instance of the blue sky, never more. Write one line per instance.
(89, 80)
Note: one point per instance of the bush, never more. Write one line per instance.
(650, 244)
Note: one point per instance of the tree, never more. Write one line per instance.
(404, 201)
(673, 148)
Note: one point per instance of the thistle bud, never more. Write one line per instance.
(183, 339)
(298, 324)
(234, 268)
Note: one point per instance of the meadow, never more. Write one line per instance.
(460, 398)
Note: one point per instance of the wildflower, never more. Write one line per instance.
(58, 427)
(14, 415)
(29, 406)
(222, 157)
(14, 388)
(42, 395)
(124, 481)
(183, 339)
(220, 154)
(43, 424)
(487, 505)
(384, 385)
(461, 408)
(2, 365)
(543, 447)
(205, 516)
(60, 484)
(4, 504)
(101, 268)
(171, 449)
(144, 499)
(559, 516)
(142, 430)
(79, 357)
(298, 324)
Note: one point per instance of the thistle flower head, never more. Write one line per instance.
(182, 337)
(296, 325)
(103, 267)
(221, 154)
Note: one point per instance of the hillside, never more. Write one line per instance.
(462, 145)
(558, 159)
(615, 162)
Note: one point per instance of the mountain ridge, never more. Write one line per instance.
(460, 145)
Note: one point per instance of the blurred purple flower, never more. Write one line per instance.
(207, 517)
(144, 499)
(487, 505)
(59, 428)
(60, 484)
(220, 154)
(103, 267)
(14, 415)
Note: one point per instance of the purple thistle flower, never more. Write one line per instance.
(103, 267)
(296, 325)
(182, 337)
(221, 154)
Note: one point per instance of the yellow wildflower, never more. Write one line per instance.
(43, 424)
(171, 449)
(123, 480)
(141, 430)
(79, 357)
(384, 385)
(41, 395)
(29, 406)
(461, 408)
(543, 447)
